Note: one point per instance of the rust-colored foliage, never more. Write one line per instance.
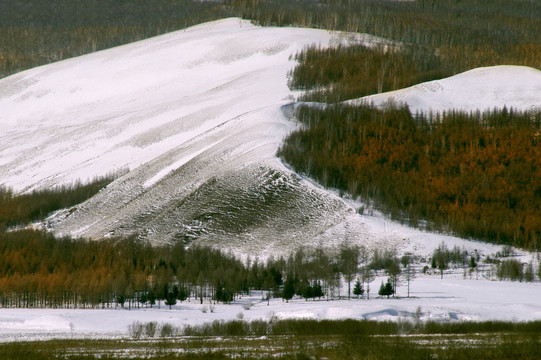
(478, 175)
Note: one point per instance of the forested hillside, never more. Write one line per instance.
(463, 34)
(476, 175)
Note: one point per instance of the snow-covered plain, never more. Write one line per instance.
(450, 299)
(192, 120)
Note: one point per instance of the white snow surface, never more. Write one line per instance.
(193, 120)
(432, 299)
(517, 87)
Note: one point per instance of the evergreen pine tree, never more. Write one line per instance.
(170, 300)
(317, 290)
(182, 294)
(151, 296)
(358, 288)
(386, 289)
(289, 288)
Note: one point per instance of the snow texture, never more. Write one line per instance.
(193, 119)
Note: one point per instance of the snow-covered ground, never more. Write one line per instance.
(192, 120)
(450, 299)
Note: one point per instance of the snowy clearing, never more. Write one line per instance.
(450, 299)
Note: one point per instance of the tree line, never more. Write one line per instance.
(473, 174)
(453, 36)
(25, 208)
(41, 270)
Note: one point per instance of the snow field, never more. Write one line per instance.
(432, 299)
(517, 87)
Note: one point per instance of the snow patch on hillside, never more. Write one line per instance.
(517, 87)
(194, 116)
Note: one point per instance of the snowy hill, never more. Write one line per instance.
(194, 116)
(482, 89)
(194, 119)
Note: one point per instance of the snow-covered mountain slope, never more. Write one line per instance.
(482, 89)
(194, 116)
(193, 120)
